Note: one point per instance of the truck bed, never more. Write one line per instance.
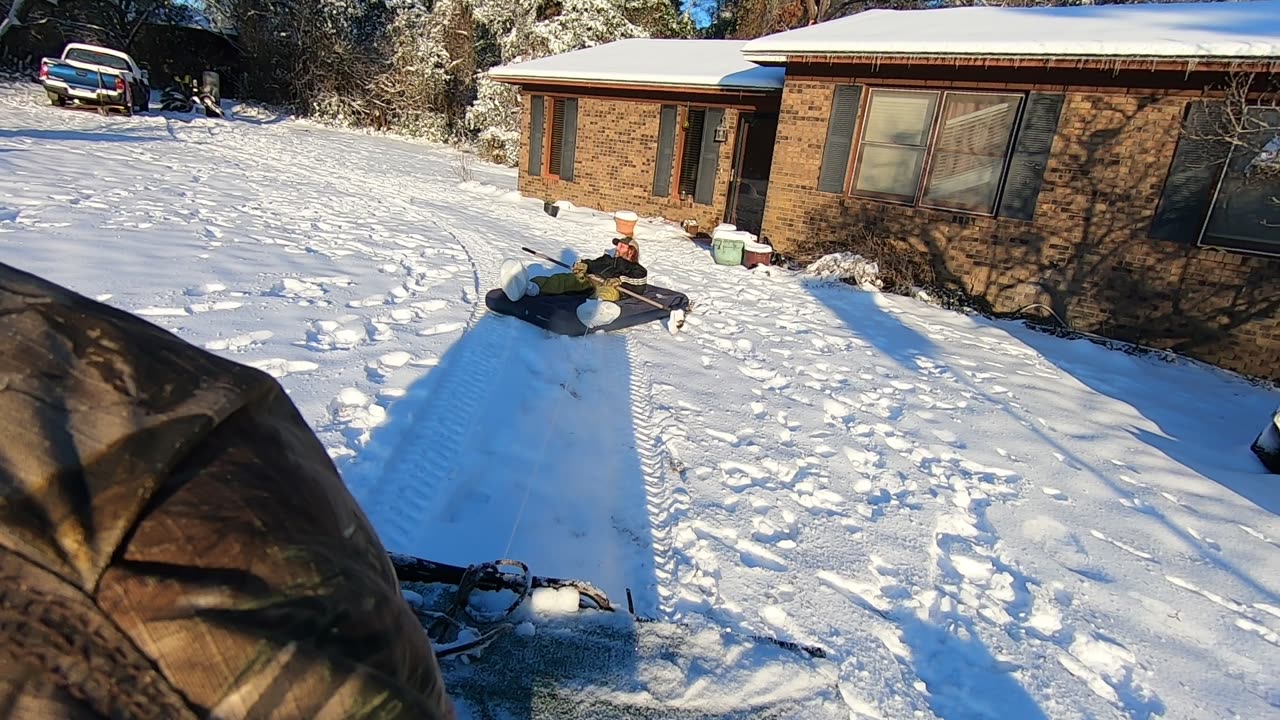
(82, 79)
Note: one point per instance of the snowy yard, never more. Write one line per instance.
(973, 519)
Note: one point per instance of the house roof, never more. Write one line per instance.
(1175, 31)
(714, 64)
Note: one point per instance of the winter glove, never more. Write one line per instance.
(580, 269)
(608, 290)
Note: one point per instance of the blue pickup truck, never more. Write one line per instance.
(98, 76)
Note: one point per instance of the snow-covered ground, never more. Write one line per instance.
(974, 519)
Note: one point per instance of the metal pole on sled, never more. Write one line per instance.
(598, 280)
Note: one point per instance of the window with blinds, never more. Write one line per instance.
(947, 150)
(895, 139)
(557, 136)
(970, 150)
(691, 148)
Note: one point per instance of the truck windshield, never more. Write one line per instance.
(89, 57)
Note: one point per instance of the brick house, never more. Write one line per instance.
(1060, 156)
(1038, 155)
(682, 129)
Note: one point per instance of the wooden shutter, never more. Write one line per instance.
(1031, 155)
(536, 131)
(555, 157)
(1193, 176)
(666, 151)
(569, 143)
(840, 129)
(708, 158)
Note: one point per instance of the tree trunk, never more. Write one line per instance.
(128, 41)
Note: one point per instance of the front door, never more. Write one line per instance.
(752, 158)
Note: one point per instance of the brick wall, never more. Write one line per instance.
(1086, 254)
(616, 155)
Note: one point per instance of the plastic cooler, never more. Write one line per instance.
(756, 253)
(727, 245)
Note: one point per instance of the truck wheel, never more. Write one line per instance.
(56, 100)
(144, 99)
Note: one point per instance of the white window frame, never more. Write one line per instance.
(931, 146)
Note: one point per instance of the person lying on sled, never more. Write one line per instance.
(614, 271)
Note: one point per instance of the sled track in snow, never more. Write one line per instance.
(402, 482)
(656, 464)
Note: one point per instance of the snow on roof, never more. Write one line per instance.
(1234, 30)
(681, 63)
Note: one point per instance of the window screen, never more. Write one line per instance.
(1246, 210)
(894, 143)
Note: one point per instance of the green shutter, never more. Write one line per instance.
(536, 131)
(704, 192)
(1193, 176)
(569, 143)
(1031, 155)
(840, 128)
(666, 151)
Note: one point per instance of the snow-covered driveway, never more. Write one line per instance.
(975, 520)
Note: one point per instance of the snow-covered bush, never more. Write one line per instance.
(495, 119)
(847, 267)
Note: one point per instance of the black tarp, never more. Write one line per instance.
(558, 313)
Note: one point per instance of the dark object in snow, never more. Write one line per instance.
(490, 577)
(558, 313)
(175, 99)
(175, 542)
(459, 628)
(613, 666)
(550, 208)
(187, 93)
(1267, 446)
(412, 569)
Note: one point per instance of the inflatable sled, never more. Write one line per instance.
(559, 313)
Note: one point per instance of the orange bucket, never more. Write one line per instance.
(625, 221)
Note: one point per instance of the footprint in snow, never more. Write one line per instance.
(205, 289)
(221, 305)
(1112, 672)
(1127, 548)
(725, 437)
(442, 328)
(1137, 504)
(295, 288)
(240, 342)
(161, 312)
(398, 316)
(379, 369)
(1207, 541)
(280, 367)
(1054, 493)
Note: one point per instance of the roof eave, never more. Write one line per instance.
(633, 85)
(1268, 63)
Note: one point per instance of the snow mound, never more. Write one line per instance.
(595, 313)
(846, 266)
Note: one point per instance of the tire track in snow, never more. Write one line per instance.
(656, 462)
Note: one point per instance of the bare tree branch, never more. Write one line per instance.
(12, 19)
